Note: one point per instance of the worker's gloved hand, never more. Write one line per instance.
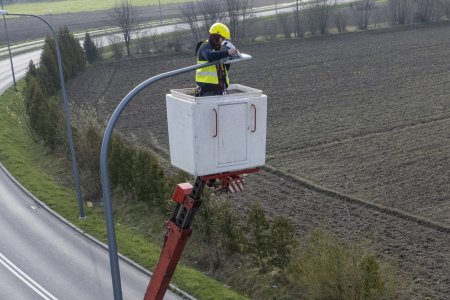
(231, 48)
(232, 51)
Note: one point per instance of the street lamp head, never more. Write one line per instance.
(3, 12)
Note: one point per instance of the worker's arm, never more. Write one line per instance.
(211, 55)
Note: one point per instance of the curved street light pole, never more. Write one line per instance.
(113, 257)
(9, 49)
(66, 109)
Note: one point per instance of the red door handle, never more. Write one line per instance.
(215, 112)
(254, 129)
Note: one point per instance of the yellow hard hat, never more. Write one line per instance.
(220, 29)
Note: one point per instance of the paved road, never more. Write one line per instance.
(20, 63)
(43, 258)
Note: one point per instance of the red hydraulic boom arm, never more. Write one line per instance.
(189, 200)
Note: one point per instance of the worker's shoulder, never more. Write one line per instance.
(206, 45)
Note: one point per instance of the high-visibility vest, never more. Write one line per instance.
(209, 74)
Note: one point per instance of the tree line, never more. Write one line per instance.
(316, 17)
(42, 83)
(137, 170)
(304, 18)
(131, 169)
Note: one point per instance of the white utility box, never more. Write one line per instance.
(216, 134)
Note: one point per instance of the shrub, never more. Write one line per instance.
(49, 63)
(328, 270)
(258, 239)
(286, 24)
(117, 47)
(282, 242)
(88, 153)
(372, 286)
(341, 20)
(148, 179)
(90, 49)
(121, 159)
(205, 227)
(227, 223)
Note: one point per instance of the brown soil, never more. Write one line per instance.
(358, 136)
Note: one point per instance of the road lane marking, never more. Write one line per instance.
(26, 279)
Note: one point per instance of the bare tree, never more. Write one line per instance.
(175, 40)
(286, 24)
(446, 5)
(424, 10)
(298, 27)
(341, 20)
(361, 11)
(318, 14)
(100, 44)
(212, 11)
(143, 44)
(380, 13)
(400, 10)
(270, 30)
(441, 8)
(189, 12)
(158, 41)
(116, 46)
(239, 17)
(124, 16)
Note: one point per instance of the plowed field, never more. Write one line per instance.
(358, 136)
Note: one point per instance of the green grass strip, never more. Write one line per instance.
(30, 165)
(73, 6)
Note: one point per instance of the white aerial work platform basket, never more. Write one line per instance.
(216, 134)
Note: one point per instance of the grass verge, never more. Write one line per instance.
(73, 6)
(34, 168)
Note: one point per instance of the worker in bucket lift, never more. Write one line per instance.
(213, 80)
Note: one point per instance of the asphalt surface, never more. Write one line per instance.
(43, 258)
(20, 63)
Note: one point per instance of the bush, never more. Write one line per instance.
(258, 239)
(49, 64)
(44, 114)
(282, 242)
(328, 270)
(148, 179)
(372, 286)
(231, 235)
(341, 20)
(286, 24)
(117, 47)
(121, 159)
(205, 226)
(88, 152)
(90, 49)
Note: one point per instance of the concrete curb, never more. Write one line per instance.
(125, 259)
